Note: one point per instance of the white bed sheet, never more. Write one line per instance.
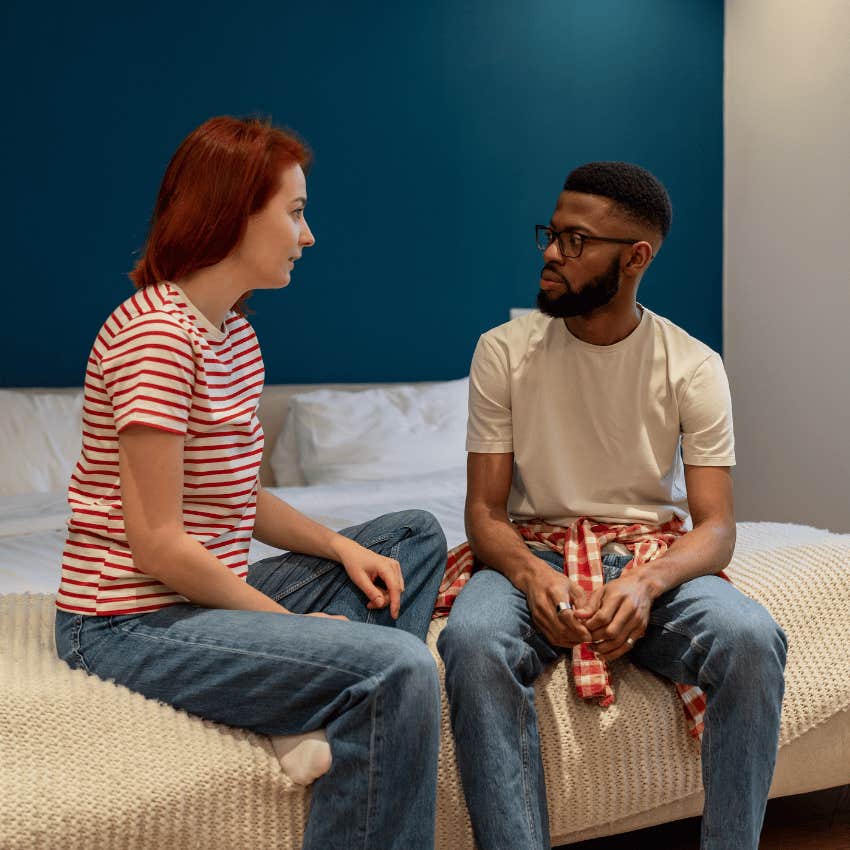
(32, 526)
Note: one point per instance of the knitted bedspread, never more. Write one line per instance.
(147, 776)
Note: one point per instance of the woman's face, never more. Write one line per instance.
(277, 234)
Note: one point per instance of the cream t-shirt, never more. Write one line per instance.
(599, 431)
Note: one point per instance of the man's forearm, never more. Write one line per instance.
(705, 550)
(496, 542)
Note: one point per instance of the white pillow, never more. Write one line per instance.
(284, 459)
(380, 434)
(40, 435)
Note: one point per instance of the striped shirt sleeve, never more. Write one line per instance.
(149, 374)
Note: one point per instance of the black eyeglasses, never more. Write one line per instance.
(571, 242)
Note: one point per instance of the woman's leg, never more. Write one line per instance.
(304, 583)
(374, 690)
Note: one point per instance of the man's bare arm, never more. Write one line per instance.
(496, 542)
(709, 547)
(627, 601)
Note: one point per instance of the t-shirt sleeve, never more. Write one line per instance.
(706, 416)
(149, 375)
(490, 425)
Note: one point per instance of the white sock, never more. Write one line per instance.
(304, 758)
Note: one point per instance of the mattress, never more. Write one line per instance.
(32, 525)
(638, 746)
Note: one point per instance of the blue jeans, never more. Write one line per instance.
(704, 632)
(372, 684)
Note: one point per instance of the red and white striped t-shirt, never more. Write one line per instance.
(158, 361)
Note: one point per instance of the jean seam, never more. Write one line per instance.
(707, 760)
(410, 532)
(526, 761)
(371, 801)
(234, 651)
(305, 581)
(76, 642)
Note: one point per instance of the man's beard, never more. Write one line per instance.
(594, 294)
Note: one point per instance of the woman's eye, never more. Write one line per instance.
(298, 213)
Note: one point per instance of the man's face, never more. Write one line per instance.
(578, 286)
(595, 293)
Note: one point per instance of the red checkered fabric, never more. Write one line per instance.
(581, 544)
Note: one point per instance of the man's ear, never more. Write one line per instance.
(639, 258)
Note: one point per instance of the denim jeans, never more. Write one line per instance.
(371, 683)
(704, 632)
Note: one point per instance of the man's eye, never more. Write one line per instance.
(298, 213)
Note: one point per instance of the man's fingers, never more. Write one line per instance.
(616, 652)
(563, 629)
(604, 614)
(578, 595)
(622, 623)
(610, 642)
(577, 629)
(591, 604)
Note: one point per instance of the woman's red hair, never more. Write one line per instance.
(223, 172)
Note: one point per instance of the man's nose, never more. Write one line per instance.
(552, 254)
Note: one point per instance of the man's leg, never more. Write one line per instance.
(707, 633)
(492, 655)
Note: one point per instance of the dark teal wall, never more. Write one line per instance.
(442, 133)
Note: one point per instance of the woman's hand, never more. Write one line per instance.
(365, 568)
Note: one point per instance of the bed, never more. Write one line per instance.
(159, 777)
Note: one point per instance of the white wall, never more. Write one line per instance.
(787, 257)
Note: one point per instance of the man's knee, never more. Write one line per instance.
(477, 650)
(752, 638)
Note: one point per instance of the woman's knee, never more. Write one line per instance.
(423, 524)
(412, 663)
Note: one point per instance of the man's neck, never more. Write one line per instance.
(607, 325)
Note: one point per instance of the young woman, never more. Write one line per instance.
(156, 591)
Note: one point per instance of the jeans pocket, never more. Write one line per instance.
(122, 622)
(613, 566)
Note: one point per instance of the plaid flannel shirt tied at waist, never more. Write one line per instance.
(582, 544)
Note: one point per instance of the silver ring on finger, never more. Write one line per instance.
(630, 642)
(562, 606)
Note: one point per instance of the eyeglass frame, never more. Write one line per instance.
(556, 237)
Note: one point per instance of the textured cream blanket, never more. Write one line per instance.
(153, 777)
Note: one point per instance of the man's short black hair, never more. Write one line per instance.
(637, 192)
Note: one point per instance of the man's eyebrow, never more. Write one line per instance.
(574, 228)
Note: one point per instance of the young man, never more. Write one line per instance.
(599, 416)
